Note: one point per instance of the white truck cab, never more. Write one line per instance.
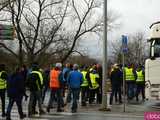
(152, 64)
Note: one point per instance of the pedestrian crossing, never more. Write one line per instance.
(67, 115)
(47, 116)
(53, 115)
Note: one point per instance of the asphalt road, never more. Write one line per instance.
(133, 112)
(79, 116)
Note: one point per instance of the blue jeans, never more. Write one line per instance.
(18, 101)
(130, 89)
(75, 94)
(116, 89)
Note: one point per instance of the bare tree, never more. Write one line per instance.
(37, 26)
(41, 26)
(4, 3)
(47, 28)
(84, 21)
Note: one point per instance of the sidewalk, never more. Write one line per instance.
(133, 108)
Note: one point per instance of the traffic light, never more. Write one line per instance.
(7, 32)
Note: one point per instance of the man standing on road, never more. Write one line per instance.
(3, 79)
(16, 91)
(74, 81)
(84, 87)
(116, 82)
(94, 86)
(140, 83)
(56, 79)
(66, 71)
(35, 84)
(46, 83)
(100, 71)
(130, 77)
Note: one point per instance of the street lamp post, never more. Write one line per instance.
(104, 85)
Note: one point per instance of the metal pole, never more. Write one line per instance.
(104, 91)
(124, 90)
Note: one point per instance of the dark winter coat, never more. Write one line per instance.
(116, 77)
(15, 85)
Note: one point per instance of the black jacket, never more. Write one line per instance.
(116, 77)
(32, 82)
(15, 85)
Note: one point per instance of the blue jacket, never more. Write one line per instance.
(65, 73)
(74, 79)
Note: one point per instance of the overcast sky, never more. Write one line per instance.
(135, 15)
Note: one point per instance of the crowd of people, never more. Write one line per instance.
(134, 82)
(66, 83)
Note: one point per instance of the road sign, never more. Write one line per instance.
(124, 44)
(7, 32)
(6, 27)
(124, 40)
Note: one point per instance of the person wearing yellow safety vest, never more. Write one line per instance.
(3, 79)
(35, 84)
(84, 87)
(140, 83)
(130, 78)
(94, 86)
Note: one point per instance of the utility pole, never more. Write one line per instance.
(104, 106)
(124, 90)
(124, 51)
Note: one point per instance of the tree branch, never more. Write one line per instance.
(79, 18)
(38, 25)
(6, 48)
(50, 4)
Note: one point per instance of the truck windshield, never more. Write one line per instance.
(157, 48)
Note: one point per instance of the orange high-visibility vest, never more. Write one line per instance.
(54, 81)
